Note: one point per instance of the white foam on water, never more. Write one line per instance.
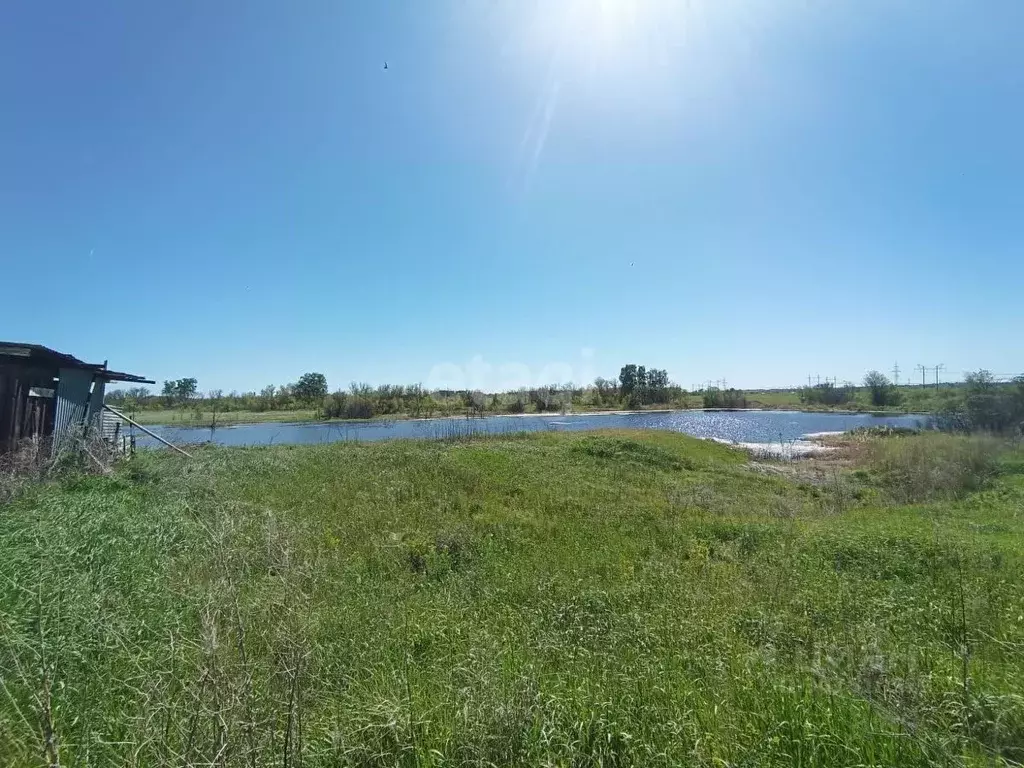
(792, 449)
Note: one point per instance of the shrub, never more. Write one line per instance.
(342, 405)
(883, 392)
(933, 465)
(828, 394)
(985, 406)
(724, 398)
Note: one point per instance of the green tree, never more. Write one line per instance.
(657, 385)
(882, 391)
(605, 389)
(179, 390)
(311, 388)
(628, 380)
(186, 389)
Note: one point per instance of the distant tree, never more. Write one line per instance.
(179, 390)
(639, 385)
(137, 394)
(169, 393)
(724, 398)
(628, 380)
(311, 388)
(827, 393)
(475, 401)
(115, 396)
(544, 398)
(186, 389)
(518, 403)
(882, 390)
(985, 405)
(657, 386)
(606, 390)
(265, 399)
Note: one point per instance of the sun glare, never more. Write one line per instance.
(598, 31)
(639, 60)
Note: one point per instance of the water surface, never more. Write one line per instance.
(737, 426)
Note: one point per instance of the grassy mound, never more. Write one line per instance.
(603, 599)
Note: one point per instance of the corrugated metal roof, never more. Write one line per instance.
(37, 353)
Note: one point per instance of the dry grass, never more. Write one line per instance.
(33, 461)
(933, 465)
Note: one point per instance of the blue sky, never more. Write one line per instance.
(755, 191)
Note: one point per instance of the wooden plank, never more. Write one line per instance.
(151, 434)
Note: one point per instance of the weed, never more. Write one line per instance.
(933, 465)
(616, 599)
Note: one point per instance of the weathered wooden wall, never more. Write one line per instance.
(23, 416)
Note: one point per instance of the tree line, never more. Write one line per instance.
(307, 392)
(637, 386)
(882, 393)
(980, 403)
(984, 405)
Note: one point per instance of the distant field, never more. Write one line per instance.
(182, 417)
(913, 399)
(609, 599)
(774, 399)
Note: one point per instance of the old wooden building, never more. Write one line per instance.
(47, 394)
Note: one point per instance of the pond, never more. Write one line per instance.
(763, 427)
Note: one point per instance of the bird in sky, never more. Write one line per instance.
(385, 65)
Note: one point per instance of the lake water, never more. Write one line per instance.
(735, 426)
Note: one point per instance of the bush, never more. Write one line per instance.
(985, 406)
(828, 394)
(883, 392)
(933, 465)
(724, 398)
(342, 405)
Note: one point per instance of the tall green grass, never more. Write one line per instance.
(548, 599)
(934, 465)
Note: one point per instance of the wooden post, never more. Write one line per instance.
(151, 434)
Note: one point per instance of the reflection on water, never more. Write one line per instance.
(738, 426)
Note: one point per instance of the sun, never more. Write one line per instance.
(601, 30)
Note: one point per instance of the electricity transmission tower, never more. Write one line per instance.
(896, 373)
(939, 367)
(923, 369)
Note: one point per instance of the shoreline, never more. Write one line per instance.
(550, 414)
(804, 446)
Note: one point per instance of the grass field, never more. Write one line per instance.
(913, 400)
(551, 599)
(193, 417)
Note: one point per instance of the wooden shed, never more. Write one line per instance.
(45, 393)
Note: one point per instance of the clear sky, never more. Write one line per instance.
(757, 191)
